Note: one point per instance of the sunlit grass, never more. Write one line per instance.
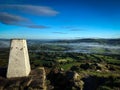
(69, 65)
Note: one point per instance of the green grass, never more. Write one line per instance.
(69, 65)
(112, 61)
(104, 88)
(101, 74)
(68, 59)
(98, 50)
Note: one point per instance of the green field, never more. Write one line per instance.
(101, 69)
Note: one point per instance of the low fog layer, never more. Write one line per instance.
(79, 47)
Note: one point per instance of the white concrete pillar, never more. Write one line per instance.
(19, 65)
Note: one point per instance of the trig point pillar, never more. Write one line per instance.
(19, 65)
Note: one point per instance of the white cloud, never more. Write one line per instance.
(31, 9)
(10, 19)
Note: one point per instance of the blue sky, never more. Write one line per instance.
(59, 19)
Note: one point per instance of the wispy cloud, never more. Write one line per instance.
(73, 28)
(59, 32)
(10, 19)
(37, 26)
(78, 37)
(19, 20)
(30, 9)
(67, 27)
(76, 29)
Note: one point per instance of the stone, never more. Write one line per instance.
(19, 65)
(39, 79)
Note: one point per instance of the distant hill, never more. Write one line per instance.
(100, 41)
(6, 42)
(101, 46)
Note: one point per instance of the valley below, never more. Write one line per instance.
(89, 64)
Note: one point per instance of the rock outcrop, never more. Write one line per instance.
(35, 81)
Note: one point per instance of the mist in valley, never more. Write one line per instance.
(78, 47)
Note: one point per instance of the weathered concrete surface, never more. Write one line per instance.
(18, 65)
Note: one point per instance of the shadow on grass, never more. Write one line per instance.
(3, 71)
